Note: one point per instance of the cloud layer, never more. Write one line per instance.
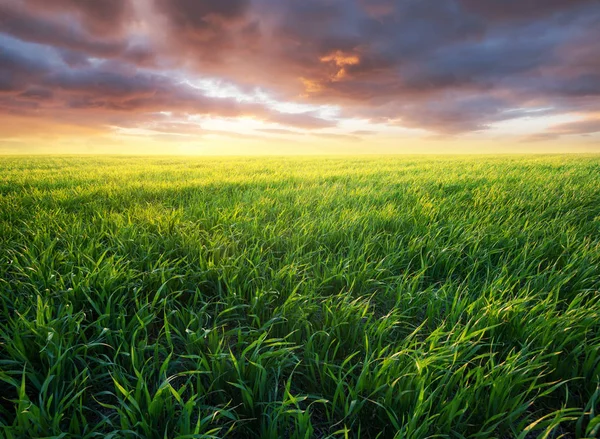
(450, 67)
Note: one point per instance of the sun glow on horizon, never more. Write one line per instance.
(111, 76)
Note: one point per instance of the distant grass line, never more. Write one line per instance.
(372, 297)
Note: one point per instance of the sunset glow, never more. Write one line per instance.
(298, 77)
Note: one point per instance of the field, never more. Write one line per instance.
(389, 297)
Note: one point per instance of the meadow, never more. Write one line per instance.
(372, 297)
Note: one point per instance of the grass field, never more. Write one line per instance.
(390, 297)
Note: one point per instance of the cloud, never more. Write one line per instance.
(110, 94)
(521, 10)
(590, 126)
(337, 136)
(102, 17)
(77, 36)
(21, 23)
(281, 131)
(445, 66)
(584, 127)
(307, 120)
(207, 28)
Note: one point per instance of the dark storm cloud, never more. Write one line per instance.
(449, 66)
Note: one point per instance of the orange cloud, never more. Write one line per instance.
(340, 60)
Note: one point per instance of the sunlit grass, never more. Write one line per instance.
(267, 298)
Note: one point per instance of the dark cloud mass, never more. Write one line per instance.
(97, 16)
(205, 29)
(447, 66)
(19, 22)
(106, 93)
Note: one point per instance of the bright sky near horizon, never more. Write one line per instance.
(299, 76)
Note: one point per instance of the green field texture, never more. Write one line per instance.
(373, 297)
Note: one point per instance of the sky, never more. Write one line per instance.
(299, 76)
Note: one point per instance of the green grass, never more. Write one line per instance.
(381, 297)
